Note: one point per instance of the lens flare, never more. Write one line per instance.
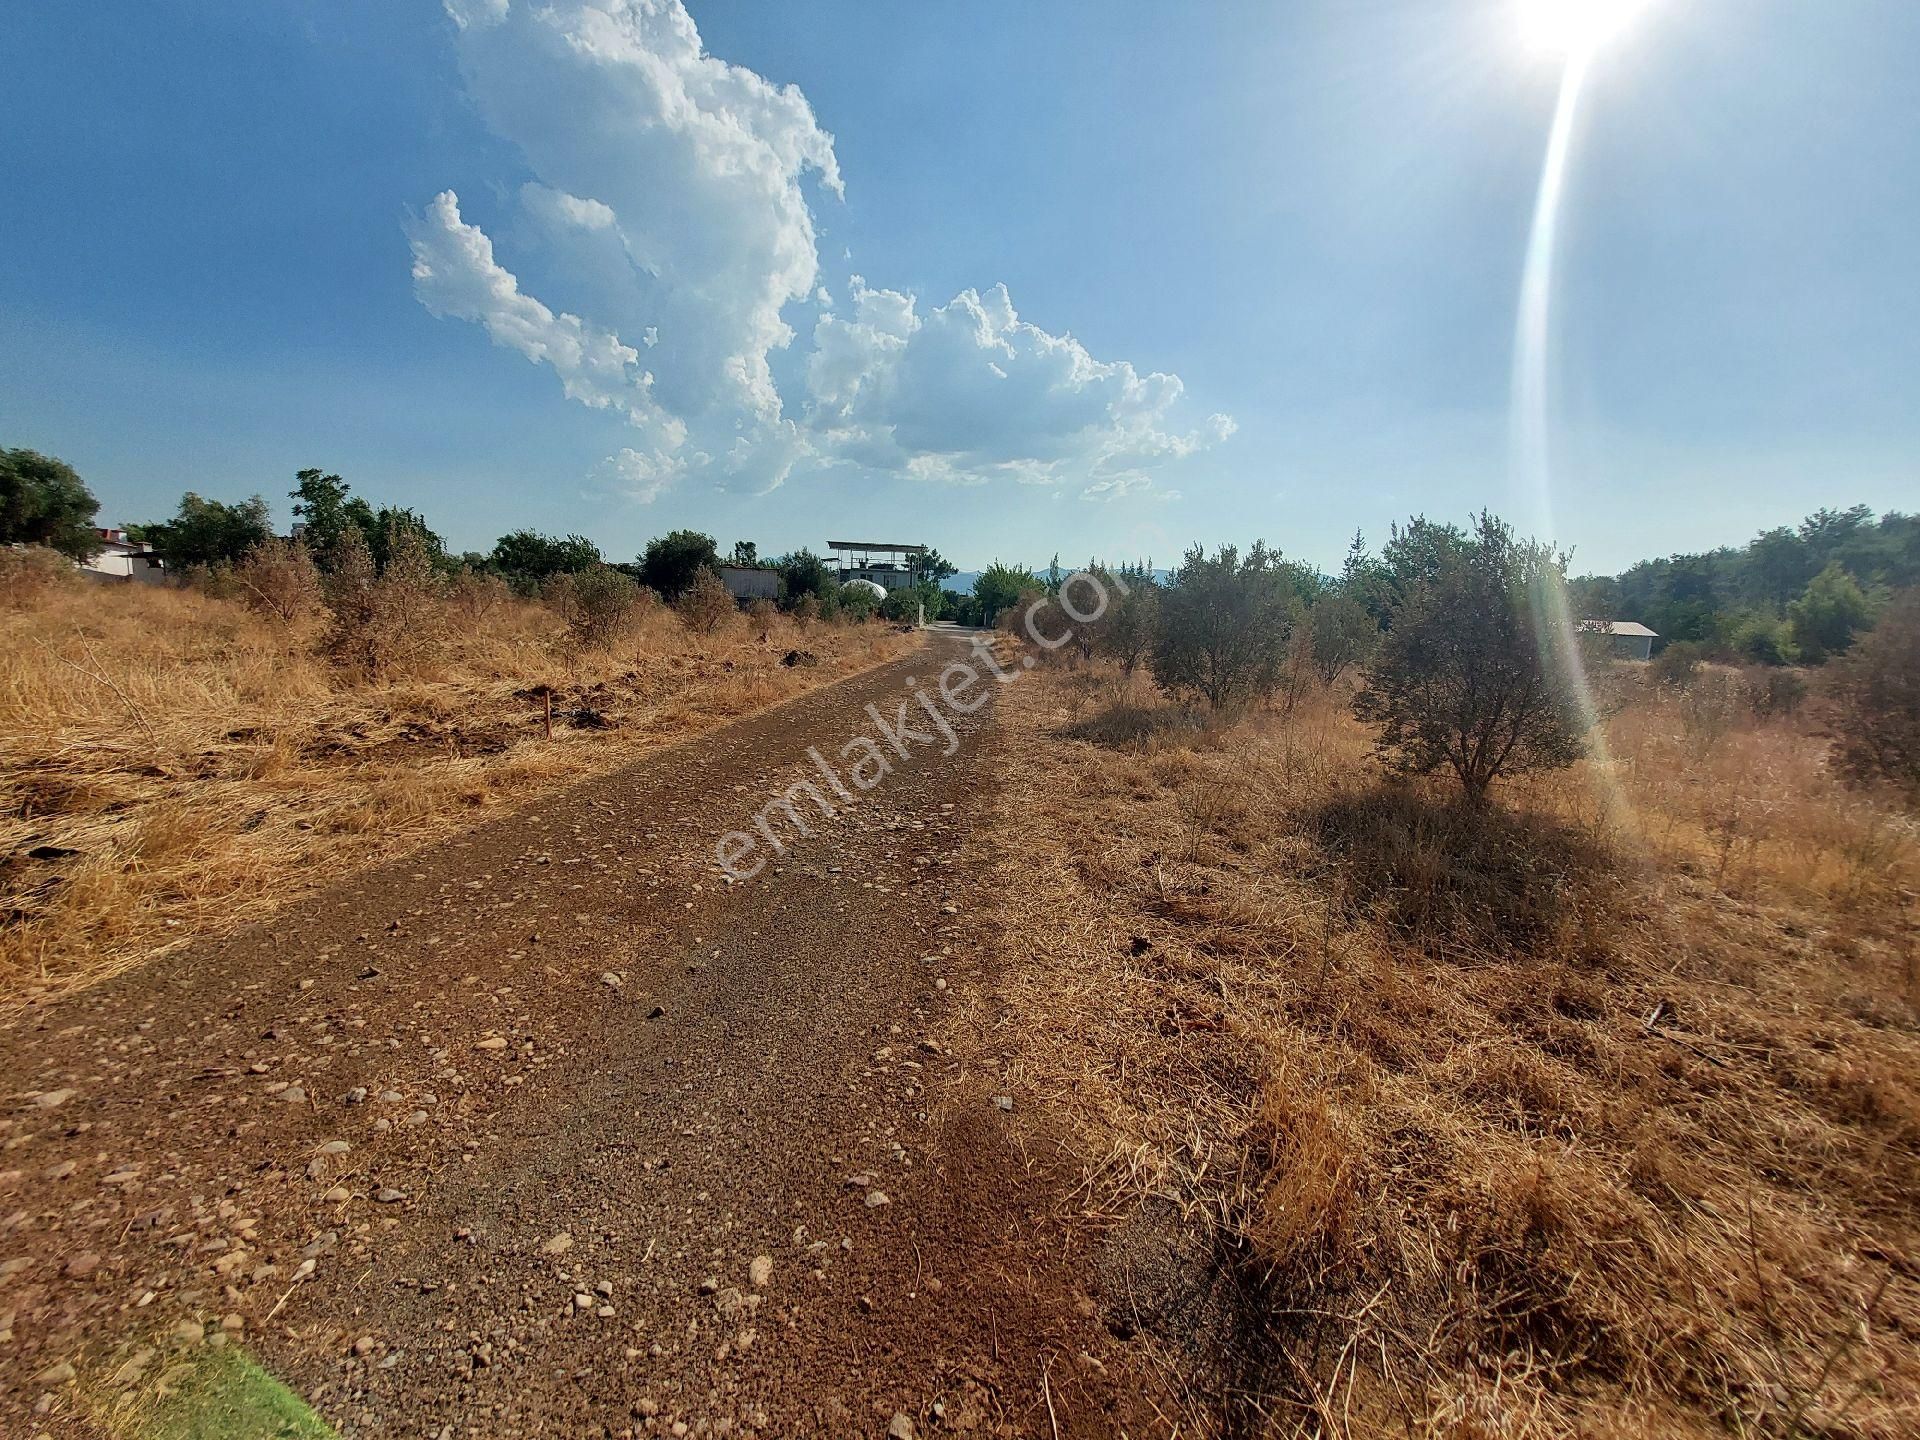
(1530, 419)
(1573, 29)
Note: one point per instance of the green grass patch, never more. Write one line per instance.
(217, 1395)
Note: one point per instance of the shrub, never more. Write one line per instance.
(1132, 618)
(1710, 707)
(475, 595)
(762, 612)
(1773, 693)
(1012, 616)
(215, 581)
(1677, 664)
(1762, 640)
(1876, 695)
(601, 603)
(278, 578)
(853, 602)
(1343, 633)
(1826, 618)
(805, 576)
(382, 621)
(28, 571)
(1225, 624)
(1298, 672)
(1469, 677)
(706, 604)
(806, 609)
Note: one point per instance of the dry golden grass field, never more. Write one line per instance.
(1594, 1115)
(174, 764)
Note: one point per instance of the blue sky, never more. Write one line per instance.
(243, 238)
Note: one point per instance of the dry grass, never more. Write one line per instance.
(1371, 1077)
(202, 763)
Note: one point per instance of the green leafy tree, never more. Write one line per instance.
(935, 567)
(803, 573)
(1225, 624)
(1343, 635)
(1000, 587)
(390, 521)
(1413, 556)
(528, 559)
(209, 532)
(325, 505)
(1761, 639)
(1825, 619)
(745, 552)
(1779, 565)
(43, 501)
(1468, 676)
(909, 604)
(673, 562)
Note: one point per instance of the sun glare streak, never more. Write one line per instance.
(1530, 416)
(1573, 29)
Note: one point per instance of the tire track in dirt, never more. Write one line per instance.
(549, 1130)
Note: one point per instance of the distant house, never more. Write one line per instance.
(888, 564)
(747, 583)
(122, 560)
(1626, 639)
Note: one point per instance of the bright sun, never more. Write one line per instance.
(1574, 29)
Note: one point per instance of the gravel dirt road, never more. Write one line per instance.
(550, 1131)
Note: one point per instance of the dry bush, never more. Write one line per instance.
(602, 605)
(1876, 697)
(28, 572)
(1773, 692)
(387, 621)
(1595, 1114)
(475, 597)
(707, 603)
(202, 771)
(1677, 662)
(278, 578)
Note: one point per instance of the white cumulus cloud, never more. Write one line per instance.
(455, 276)
(670, 203)
(970, 391)
(635, 476)
(696, 163)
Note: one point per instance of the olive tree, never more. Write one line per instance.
(1225, 624)
(1471, 676)
(1132, 619)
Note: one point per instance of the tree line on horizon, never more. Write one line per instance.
(1791, 595)
(1453, 631)
(43, 501)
